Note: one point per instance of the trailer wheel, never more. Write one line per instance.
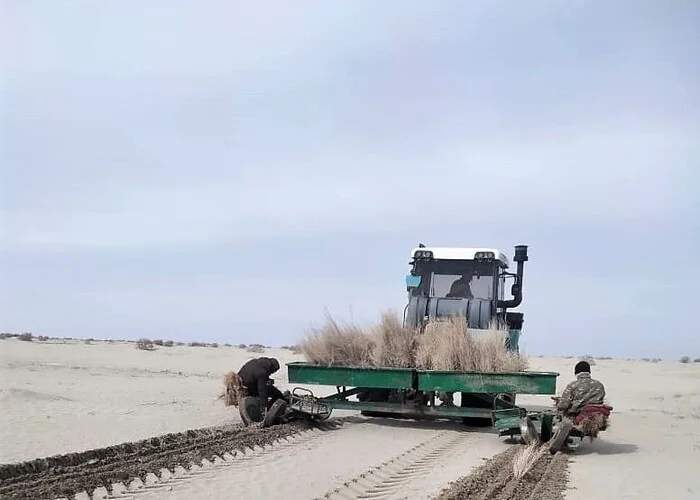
(249, 409)
(561, 433)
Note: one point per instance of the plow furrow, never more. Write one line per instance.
(495, 480)
(146, 464)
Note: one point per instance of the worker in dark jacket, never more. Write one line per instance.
(255, 377)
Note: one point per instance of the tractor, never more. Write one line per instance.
(467, 282)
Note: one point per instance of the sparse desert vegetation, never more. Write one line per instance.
(145, 344)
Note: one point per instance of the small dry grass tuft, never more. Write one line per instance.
(335, 344)
(526, 458)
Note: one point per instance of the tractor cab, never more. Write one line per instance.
(470, 282)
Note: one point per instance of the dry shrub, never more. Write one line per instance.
(145, 344)
(168, 343)
(335, 344)
(591, 424)
(685, 359)
(233, 389)
(450, 345)
(394, 345)
(526, 458)
(446, 344)
(696, 360)
(158, 342)
(26, 337)
(256, 348)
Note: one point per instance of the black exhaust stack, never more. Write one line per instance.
(517, 288)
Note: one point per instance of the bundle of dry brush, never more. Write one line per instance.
(446, 344)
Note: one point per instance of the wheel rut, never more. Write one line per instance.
(391, 476)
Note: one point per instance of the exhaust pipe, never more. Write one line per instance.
(517, 288)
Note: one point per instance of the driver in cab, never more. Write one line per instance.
(460, 288)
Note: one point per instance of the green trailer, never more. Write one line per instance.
(412, 393)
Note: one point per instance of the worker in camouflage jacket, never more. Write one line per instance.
(581, 392)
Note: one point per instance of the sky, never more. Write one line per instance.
(230, 171)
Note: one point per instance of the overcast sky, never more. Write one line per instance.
(225, 171)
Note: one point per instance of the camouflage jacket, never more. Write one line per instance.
(582, 391)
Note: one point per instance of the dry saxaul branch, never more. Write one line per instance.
(444, 345)
(526, 458)
(394, 345)
(333, 344)
(450, 345)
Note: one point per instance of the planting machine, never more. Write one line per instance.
(442, 282)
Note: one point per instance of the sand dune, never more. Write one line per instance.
(68, 396)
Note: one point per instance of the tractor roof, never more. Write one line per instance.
(461, 253)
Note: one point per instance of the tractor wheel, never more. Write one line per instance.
(376, 396)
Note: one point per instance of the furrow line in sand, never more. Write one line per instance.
(64, 476)
(385, 479)
(494, 480)
(239, 459)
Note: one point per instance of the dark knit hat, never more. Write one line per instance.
(582, 366)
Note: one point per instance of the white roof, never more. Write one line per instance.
(458, 253)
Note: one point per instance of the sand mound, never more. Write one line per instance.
(447, 344)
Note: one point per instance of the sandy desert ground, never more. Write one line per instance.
(59, 396)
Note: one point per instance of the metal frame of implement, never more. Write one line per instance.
(417, 390)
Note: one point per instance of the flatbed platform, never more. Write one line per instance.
(526, 382)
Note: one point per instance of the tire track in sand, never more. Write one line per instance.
(390, 476)
(307, 470)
